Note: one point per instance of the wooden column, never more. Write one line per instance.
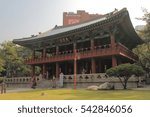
(75, 65)
(66, 70)
(44, 53)
(57, 50)
(93, 66)
(57, 70)
(44, 71)
(33, 71)
(112, 40)
(57, 64)
(100, 66)
(114, 61)
(33, 54)
(119, 61)
(92, 44)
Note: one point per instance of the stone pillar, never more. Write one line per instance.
(114, 61)
(57, 70)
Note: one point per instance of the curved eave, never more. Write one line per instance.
(55, 33)
(59, 32)
(129, 30)
(51, 34)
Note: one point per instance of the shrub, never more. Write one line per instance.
(125, 71)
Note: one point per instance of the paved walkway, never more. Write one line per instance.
(146, 87)
(18, 90)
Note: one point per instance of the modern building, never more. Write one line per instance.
(79, 17)
(88, 47)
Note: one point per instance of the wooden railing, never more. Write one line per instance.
(99, 51)
(124, 51)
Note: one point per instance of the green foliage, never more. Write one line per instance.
(145, 33)
(126, 70)
(1, 65)
(12, 57)
(1, 80)
(143, 51)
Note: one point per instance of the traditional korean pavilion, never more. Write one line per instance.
(89, 47)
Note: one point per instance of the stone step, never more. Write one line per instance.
(47, 84)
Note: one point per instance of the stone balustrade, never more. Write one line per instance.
(85, 80)
(85, 76)
(97, 77)
(19, 80)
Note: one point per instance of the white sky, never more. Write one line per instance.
(22, 18)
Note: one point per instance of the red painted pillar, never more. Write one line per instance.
(112, 39)
(114, 61)
(100, 66)
(44, 53)
(57, 50)
(118, 61)
(33, 54)
(57, 70)
(57, 64)
(93, 66)
(92, 44)
(33, 71)
(44, 71)
(75, 66)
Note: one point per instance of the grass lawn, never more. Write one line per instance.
(70, 94)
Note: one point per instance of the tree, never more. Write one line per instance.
(143, 51)
(13, 57)
(145, 33)
(2, 62)
(125, 71)
(1, 65)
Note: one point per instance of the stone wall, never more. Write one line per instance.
(85, 80)
(82, 80)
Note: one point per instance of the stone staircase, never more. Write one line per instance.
(44, 84)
